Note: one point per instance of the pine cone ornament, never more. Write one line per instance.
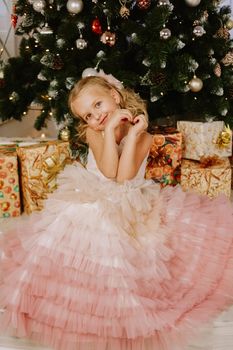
(217, 70)
(228, 59)
(223, 33)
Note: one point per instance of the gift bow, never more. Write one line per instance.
(52, 166)
(224, 138)
(206, 162)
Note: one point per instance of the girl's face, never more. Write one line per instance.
(95, 105)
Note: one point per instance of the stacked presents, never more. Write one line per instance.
(205, 166)
(196, 155)
(28, 173)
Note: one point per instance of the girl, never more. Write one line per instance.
(113, 262)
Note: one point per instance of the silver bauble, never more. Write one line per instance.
(195, 84)
(163, 3)
(198, 31)
(165, 33)
(39, 5)
(74, 6)
(81, 44)
(89, 72)
(193, 3)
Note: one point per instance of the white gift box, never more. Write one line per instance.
(205, 139)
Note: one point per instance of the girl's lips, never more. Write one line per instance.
(103, 120)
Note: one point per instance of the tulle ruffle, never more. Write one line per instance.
(117, 266)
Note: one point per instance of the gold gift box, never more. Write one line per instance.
(210, 177)
(10, 205)
(205, 139)
(39, 166)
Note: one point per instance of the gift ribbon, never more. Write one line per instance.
(52, 167)
(224, 138)
(206, 162)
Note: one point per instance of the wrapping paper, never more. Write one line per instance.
(10, 205)
(207, 180)
(39, 166)
(205, 139)
(163, 164)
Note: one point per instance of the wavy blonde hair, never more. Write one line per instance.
(128, 100)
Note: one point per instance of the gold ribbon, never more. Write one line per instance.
(206, 162)
(52, 167)
(224, 138)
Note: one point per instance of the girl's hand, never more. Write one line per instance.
(140, 124)
(118, 117)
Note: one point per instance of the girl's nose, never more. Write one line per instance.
(97, 116)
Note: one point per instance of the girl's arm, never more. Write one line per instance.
(104, 147)
(136, 147)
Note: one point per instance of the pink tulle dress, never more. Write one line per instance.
(109, 266)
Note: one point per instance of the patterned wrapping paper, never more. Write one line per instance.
(205, 179)
(39, 165)
(205, 139)
(10, 205)
(163, 163)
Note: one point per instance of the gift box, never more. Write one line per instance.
(210, 177)
(39, 166)
(205, 139)
(10, 205)
(164, 160)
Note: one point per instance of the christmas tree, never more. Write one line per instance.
(177, 55)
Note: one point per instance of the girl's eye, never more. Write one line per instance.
(98, 104)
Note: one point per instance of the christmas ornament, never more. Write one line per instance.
(193, 3)
(229, 24)
(195, 84)
(165, 33)
(81, 43)
(14, 97)
(217, 70)
(198, 31)
(96, 26)
(224, 138)
(223, 33)
(39, 5)
(64, 134)
(14, 19)
(228, 59)
(163, 3)
(124, 11)
(74, 6)
(46, 30)
(143, 4)
(108, 37)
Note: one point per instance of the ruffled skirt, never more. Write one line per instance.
(108, 266)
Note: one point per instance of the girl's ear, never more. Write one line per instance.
(115, 94)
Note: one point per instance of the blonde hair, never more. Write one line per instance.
(128, 100)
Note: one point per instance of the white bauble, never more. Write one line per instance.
(74, 6)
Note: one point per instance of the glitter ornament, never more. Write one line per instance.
(143, 4)
(14, 19)
(165, 33)
(223, 33)
(81, 43)
(108, 38)
(198, 31)
(39, 5)
(192, 3)
(195, 84)
(74, 6)
(228, 59)
(96, 26)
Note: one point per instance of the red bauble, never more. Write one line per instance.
(14, 19)
(143, 4)
(96, 26)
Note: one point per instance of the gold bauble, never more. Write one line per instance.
(195, 84)
(64, 134)
(229, 24)
(193, 3)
